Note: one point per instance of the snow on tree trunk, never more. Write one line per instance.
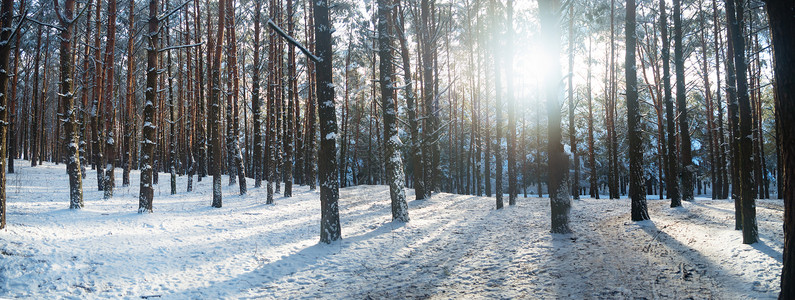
(256, 103)
(394, 164)
(560, 200)
(329, 180)
(411, 107)
(215, 111)
(636, 177)
(69, 118)
(110, 109)
(148, 129)
(6, 15)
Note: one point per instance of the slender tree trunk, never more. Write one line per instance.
(750, 231)
(110, 108)
(235, 120)
(671, 182)
(215, 111)
(34, 132)
(6, 17)
(411, 106)
(575, 183)
(12, 102)
(129, 122)
(256, 103)
(512, 107)
(681, 106)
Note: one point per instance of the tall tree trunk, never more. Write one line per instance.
(12, 102)
(681, 106)
(512, 107)
(560, 200)
(634, 128)
(750, 231)
(215, 111)
(497, 60)
(781, 19)
(711, 141)
(96, 107)
(394, 164)
(148, 142)
(237, 155)
(110, 108)
(575, 183)
(129, 122)
(6, 17)
(672, 181)
(67, 97)
(329, 180)
(411, 107)
(291, 95)
(34, 131)
(593, 176)
(256, 103)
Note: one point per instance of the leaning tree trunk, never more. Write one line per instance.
(634, 128)
(67, 104)
(394, 164)
(6, 15)
(748, 206)
(781, 19)
(148, 143)
(560, 200)
(329, 180)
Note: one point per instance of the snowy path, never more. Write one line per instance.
(455, 246)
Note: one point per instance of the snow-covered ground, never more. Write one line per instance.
(455, 246)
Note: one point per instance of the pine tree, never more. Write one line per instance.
(781, 19)
(560, 200)
(636, 188)
(735, 20)
(6, 17)
(329, 180)
(681, 106)
(394, 163)
(148, 129)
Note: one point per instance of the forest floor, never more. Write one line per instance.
(455, 246)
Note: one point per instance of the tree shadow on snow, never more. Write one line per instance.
(268, 273)
(692, 264)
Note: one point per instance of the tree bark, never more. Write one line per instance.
(394, 163)
(735, 21)
(672, 182)
(635, 131)
(560, 200)
(781, 19)
(329, 180)
(681, 106)
(148, 143)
